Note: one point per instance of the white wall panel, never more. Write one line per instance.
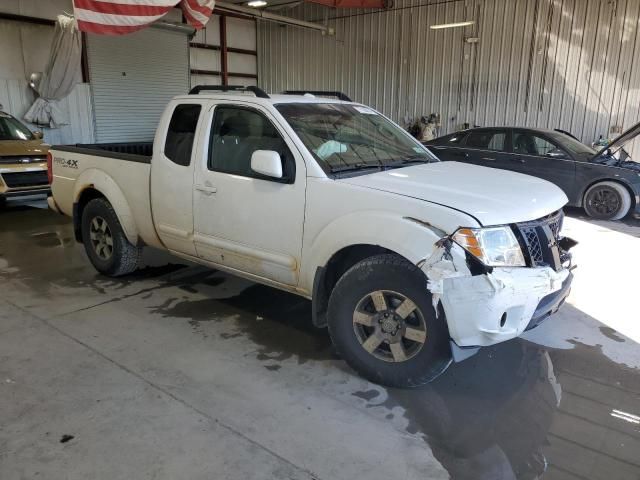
(242, 81)
(204, 59)
(210, 34)
(48, 9)
(205, 80)
(241, 33)
(24, 49)
(241, 63)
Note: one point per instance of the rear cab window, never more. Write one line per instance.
(181, 133)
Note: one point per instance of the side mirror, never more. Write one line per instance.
(38, 135)
(267, 162)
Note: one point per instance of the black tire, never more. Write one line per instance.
(121, 257)
(607, 201)
(396, 278)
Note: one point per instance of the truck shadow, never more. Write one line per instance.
(514, 411)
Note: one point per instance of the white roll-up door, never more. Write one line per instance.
(132, 79)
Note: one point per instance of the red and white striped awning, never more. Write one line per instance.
(117, 17)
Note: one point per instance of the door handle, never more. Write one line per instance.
(488, 158)
(461, 154)
(206, 189)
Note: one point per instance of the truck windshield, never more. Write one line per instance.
(352, 137)
(12, 129)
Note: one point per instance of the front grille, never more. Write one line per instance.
(25, 179)
(540, 238)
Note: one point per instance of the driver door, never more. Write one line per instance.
(245, 221)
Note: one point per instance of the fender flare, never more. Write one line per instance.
(403, 236)
(103, 183)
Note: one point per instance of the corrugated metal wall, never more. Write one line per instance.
(132, 79)
(570, 64)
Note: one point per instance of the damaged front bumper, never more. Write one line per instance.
(489, 308)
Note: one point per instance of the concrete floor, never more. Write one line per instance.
(178, 372)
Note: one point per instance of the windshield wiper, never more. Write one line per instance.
(408, 160)
(356, 166)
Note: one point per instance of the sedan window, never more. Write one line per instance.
(488, 140)
(530, 144)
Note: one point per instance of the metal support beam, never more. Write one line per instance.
(353, 3)
(26, 19)
(224, 63)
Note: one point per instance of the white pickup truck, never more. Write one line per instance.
(409, 261)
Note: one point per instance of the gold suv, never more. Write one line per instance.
(23, 159)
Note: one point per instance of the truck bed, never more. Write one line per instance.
(134, 152)
(120, 171)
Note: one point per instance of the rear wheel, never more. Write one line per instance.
(607, 201)
(104, 241)
(383, 323)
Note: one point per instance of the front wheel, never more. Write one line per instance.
(383, 323)
(607, 201)
(105, 242)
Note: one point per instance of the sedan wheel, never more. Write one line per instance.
(607, 201)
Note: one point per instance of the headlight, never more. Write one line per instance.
(493, 246)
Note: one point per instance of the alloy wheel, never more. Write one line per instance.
(389, 326)
(101, 238)
(604, 201)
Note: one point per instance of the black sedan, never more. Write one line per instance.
(605, 183)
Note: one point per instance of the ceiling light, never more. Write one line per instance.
(257, 3)
(452, 25)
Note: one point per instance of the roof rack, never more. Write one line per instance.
(325, 93)
(258, 92)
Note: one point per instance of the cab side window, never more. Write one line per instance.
(181, 133)
(237, 133)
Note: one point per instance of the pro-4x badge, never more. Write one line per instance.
(63, 162)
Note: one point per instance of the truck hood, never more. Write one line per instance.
(492, 196)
